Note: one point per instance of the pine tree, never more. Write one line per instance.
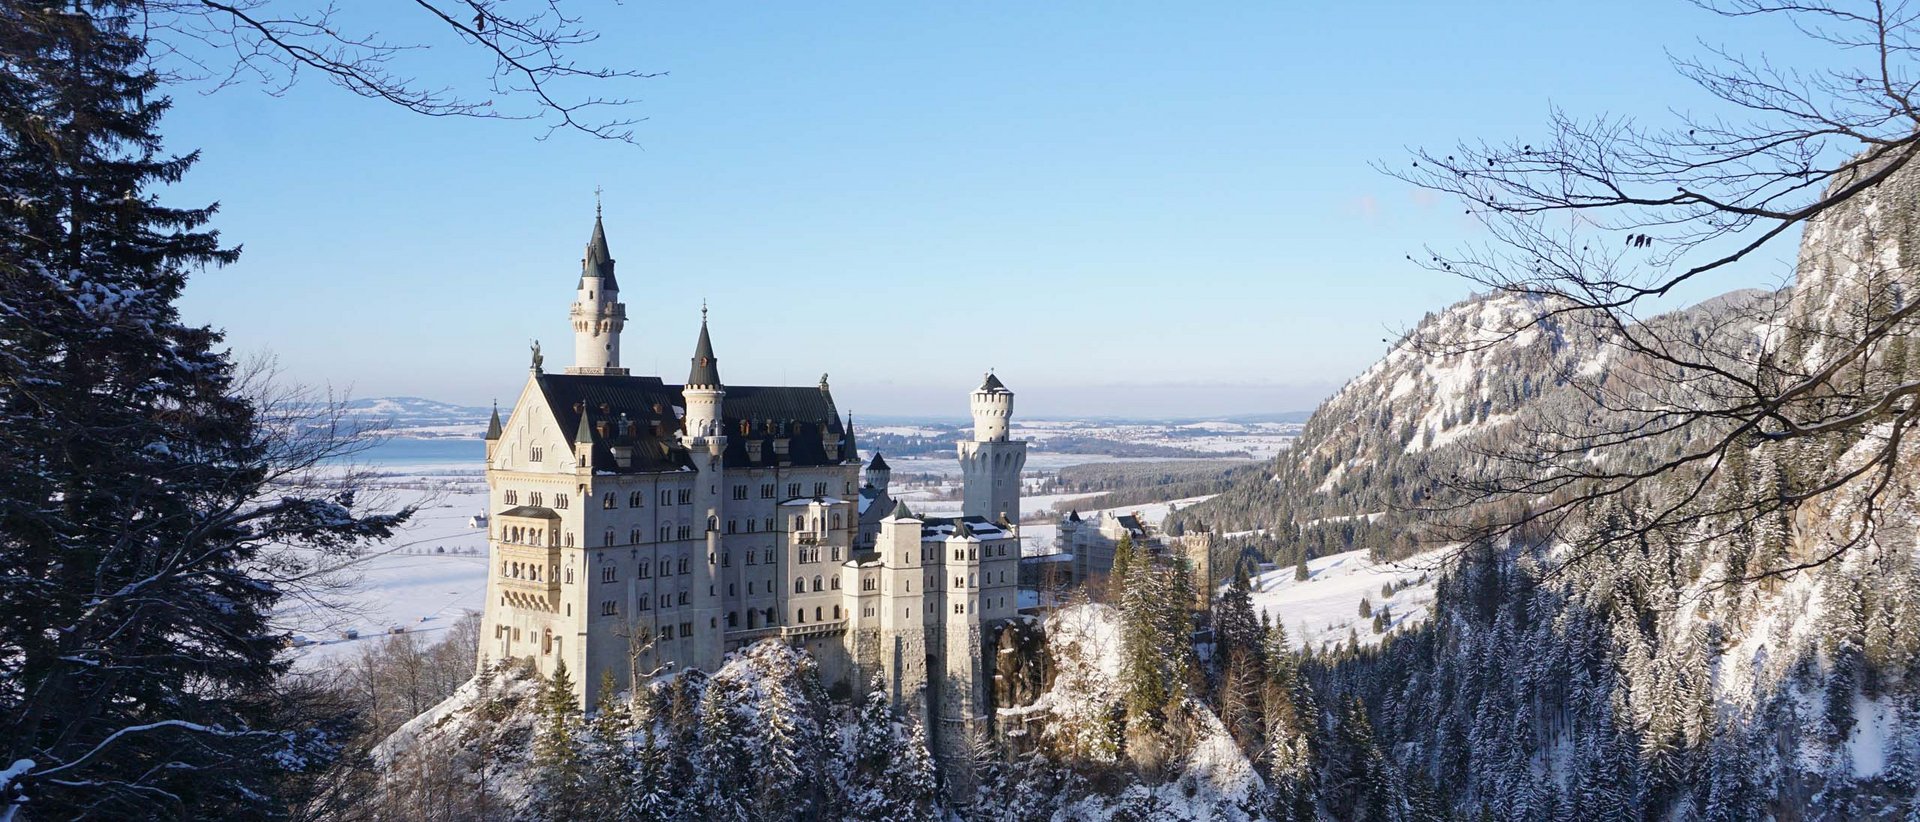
(1300, 572)
(560, 791)
(782, 766)
(910, 779)
(723, 767)
(142, 525)
(1366, 607)
(612, 766)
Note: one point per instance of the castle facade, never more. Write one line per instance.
(640, 527)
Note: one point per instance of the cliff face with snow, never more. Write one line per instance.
(1391, 438)
(1655, 680)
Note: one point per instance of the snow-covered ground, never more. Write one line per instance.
(429, 575)
(1322, 609)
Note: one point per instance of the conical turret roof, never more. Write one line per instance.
(584, 436)
(706, 367)
(599, 260)
(879, 463)
(493, 425)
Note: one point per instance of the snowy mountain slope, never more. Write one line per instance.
(1324, 610)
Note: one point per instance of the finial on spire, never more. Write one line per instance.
(596, 202)
(703, 311)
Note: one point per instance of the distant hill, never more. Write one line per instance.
(418, 417)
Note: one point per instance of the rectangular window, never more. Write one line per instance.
(753, 525)
(686, 629)
(646, 570)
(609, 608)
(666, 497)
(666, 568)
(686, 531)
(731, 523)
(666, 632)
(739, 492)
(686, 496)
(769, 524)
(683, 598)
(607, 573)
(819, 489)
(793, 489)
(766, 491)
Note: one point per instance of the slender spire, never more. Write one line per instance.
(584, 436)
(493, 425)
(849, 447)
(706, 367)
(599, 259)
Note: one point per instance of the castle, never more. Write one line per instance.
(641, 527)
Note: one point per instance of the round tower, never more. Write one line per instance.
(598, 315)
(992, 410)
(703, 391)
(991, 462)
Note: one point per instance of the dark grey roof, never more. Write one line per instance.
(706, 367)
(530, 512)
(750, 413)
(493, 425)
(993, 383)
(900, 511)
(879, 463)
(1074, 516)
(974, 526)
(599, 260)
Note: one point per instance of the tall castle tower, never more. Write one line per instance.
(598, 315)
(991, 461)
(706, 443)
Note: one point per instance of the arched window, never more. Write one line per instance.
(816, 613)
(634, 536)
(818, 584)
(799, 523)
(836, 520)
(607, 502)
(633, 499)
(836, 612)
(666, 533)
(733, 619)
(713, 523)
(559, 500)
(836, 582)
(799, 585)
(800, 615)
(769, 616)
(607, 539)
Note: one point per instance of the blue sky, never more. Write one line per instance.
(1130, 209)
